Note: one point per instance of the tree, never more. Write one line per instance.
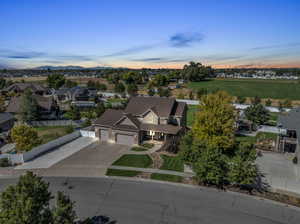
(163, 92)
(73, 113)
(214, 123)
(191, 95)
(29, 107)
(119, 87)
(240, 100)
(159, 80)
(190, 150)
(132, 89)
(101, 86)
(268, 102)
(256, 100)
(100, 108)
(70, 84)
(287, 103)
(2, 104)
(201, 92)
(64, 212)
(196, 72)
(242, 168)
(151, 92)
(55, 81)
(2, 83)
(27, 202)
(25, 137)
(211, 167)
(257, 113)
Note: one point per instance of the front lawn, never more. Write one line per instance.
(122, 173)
(172, 163)
(261, 136)
(49, 133)
(142, 161)
(166, 177)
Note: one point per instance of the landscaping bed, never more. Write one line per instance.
(142, 161)
(138, 149)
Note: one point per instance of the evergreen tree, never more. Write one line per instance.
(29, 107)
(64, 213)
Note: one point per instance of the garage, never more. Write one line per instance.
(124, 139)
(103, 135)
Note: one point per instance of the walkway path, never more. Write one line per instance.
(49, 159)
(150, 170)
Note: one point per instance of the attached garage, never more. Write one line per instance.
(103, 135)
(124, 139)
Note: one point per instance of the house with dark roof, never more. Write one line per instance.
(46, 106)
(6, 121)
(22, 87)
(144, 118)
(289, 138)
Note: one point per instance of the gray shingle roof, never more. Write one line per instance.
(291, 120)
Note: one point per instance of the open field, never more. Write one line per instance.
(275, 89)
(49, 133)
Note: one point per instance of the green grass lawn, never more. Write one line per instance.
(122, 173)
(138, 149)
(49, 133)
(115, 100)
(172, 163)
(191, 112)
(142, 161)
(259, 136)
(276, 89)
(166, 177)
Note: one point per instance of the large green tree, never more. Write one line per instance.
(56, 81)
(119, 87)
(214, 122)
(196, 72)
(132, 89)
(64, 212)
(29, 107)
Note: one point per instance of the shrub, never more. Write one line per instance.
(4, 162)
(148, 145)
(295, 160)
(69, 129)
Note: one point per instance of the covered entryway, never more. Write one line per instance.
(124, 139)
(103, 135)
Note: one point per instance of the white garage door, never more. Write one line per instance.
(104, 135)
(125, 139)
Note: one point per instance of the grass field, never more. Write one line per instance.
(275, 89)
(49, 133)
(172, 163)
(192, 109)
(142, 161)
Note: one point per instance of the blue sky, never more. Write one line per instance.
(221, 33)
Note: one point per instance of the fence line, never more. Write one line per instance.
(53, 123)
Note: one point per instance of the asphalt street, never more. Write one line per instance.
(143, 202)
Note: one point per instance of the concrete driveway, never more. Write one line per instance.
(91, 161)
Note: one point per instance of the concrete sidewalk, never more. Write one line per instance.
(49, 159)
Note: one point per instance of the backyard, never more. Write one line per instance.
(275, 89)
(49, 133)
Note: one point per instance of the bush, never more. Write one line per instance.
(295, 160)
(147, 145)
(4, 162)
(69, 129)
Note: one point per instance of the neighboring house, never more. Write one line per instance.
(22, 87)
(76, 93)
(144, 118)
(46, 106)
(290, 125)
(6, 121)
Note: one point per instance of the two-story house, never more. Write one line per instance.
(144, 118)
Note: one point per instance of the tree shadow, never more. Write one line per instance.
(99, 219)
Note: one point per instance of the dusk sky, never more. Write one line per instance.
(153, 34)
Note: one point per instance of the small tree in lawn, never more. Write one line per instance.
(257, 113)
(268, 102)
(25, 137)
(256, 100)
(240, 100)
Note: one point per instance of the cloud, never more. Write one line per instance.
(295, 44)
(130, 51)
(185, 39)
(11, 54)
(161, 60)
